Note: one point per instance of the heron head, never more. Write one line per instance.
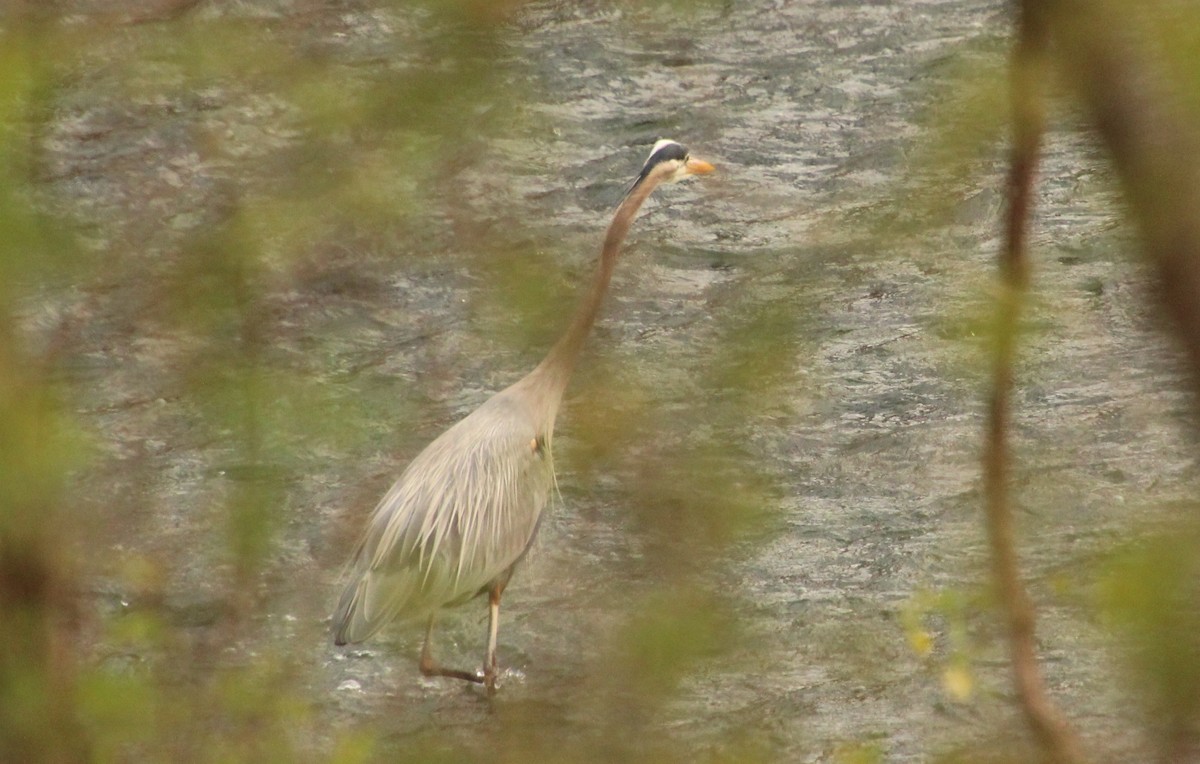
(671, 162)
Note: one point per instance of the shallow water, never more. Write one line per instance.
(860, 414)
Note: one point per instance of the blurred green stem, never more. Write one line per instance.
(37, 625)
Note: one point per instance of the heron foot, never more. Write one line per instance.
(430, 667)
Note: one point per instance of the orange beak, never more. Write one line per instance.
(699, 167)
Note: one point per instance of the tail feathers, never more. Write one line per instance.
(368, 604)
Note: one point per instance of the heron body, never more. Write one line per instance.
(467, 508)
(462, 514)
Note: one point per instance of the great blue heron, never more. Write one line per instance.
(464, 513)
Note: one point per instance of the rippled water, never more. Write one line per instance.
(868, 430)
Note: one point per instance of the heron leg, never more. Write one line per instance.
(490, 664)
(430, 667)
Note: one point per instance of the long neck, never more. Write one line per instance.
(554, 371)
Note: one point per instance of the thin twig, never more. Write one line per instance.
(1050, 727)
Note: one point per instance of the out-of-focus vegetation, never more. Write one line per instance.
(137, 621)
(1128, 73)
(140, 623)
(272, 157)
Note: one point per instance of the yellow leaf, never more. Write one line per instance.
(920, 641)
(958, 683)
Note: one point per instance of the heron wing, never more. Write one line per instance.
(462, 513)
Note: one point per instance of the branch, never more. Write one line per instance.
(1052, 730)
(1153, 147)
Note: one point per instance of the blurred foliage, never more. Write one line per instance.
(753, 376)
(936, 627)
(277, 149)
(859, 753)
(1147, 599)
(964, 124)
(273, 155)
(1149, 596)
(121, 641)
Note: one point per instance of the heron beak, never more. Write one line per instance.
(699, 167)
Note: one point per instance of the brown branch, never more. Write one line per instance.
(1050, 727)
(1154, 144)
(1154, 149)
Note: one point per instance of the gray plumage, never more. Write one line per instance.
(464, 512)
